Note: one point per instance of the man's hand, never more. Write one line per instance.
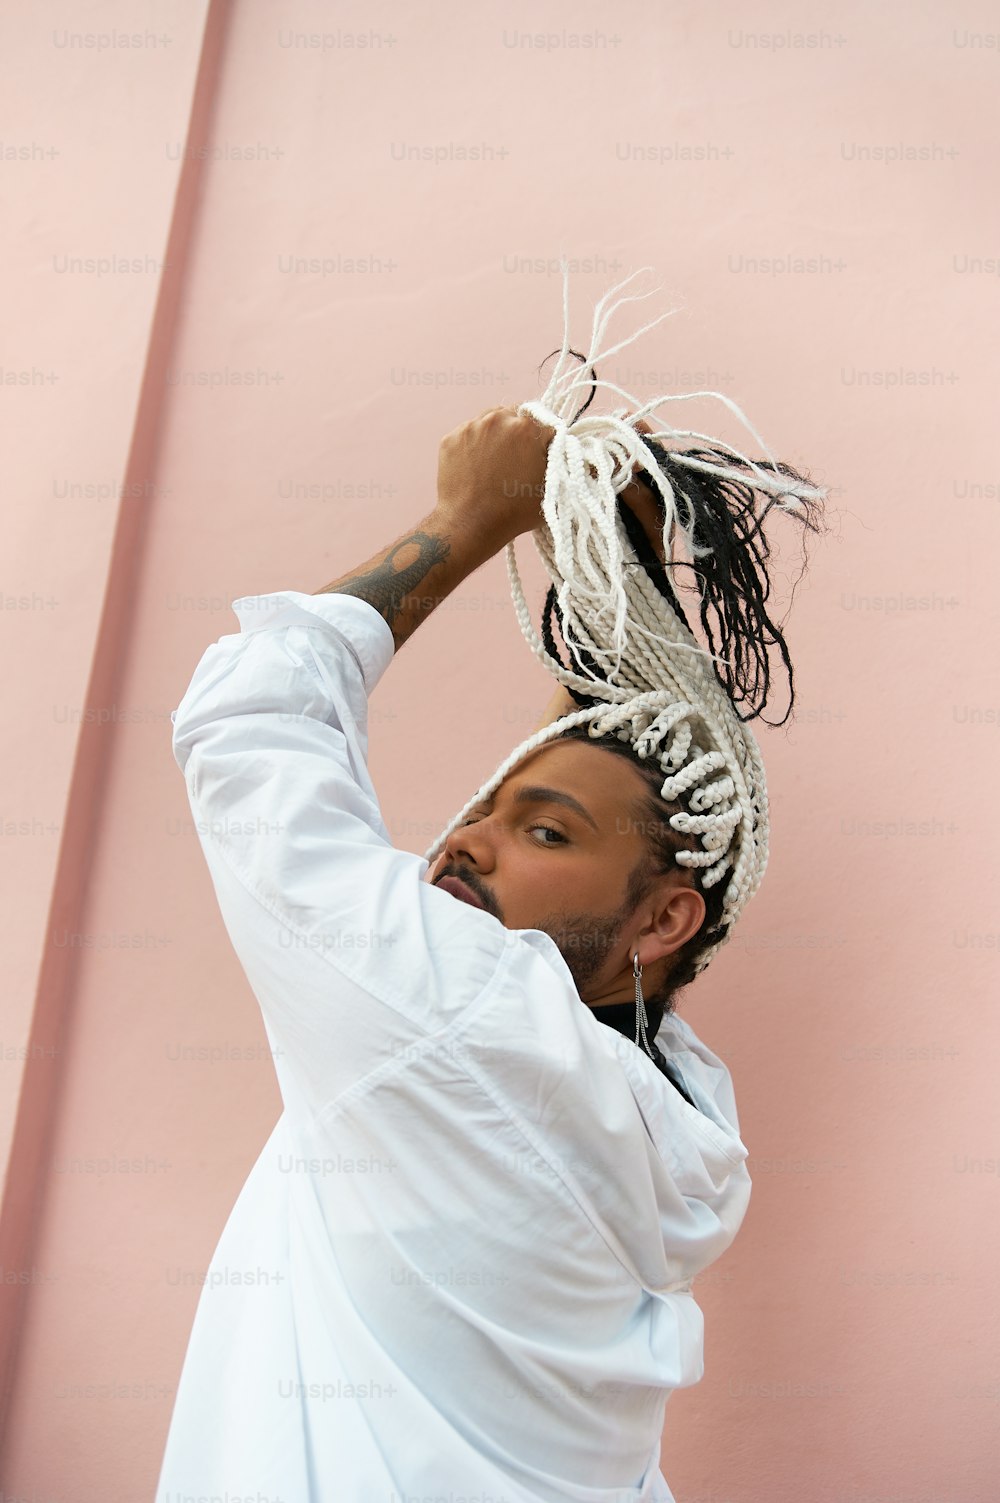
(491, 477)
(491, 480)
(647, 505)
(491, 474)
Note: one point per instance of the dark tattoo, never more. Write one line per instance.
(386, 588)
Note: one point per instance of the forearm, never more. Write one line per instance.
(406, 580)
(562, 703)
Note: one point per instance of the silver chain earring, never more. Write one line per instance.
(640, 1006)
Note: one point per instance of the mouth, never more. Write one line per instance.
(459, 890)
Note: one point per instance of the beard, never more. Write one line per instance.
(585, 940)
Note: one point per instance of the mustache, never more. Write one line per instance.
(474, 884)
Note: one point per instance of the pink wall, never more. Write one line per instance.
(852, 1330)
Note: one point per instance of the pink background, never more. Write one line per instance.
(851, 1349)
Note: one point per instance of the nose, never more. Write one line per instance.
(472, 843)
(469, 854)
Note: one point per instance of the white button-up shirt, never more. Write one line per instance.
(461, 1267)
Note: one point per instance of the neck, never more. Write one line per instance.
(616, 994)
(620, 1015)
(623, 994)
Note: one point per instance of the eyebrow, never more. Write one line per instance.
(535, 793)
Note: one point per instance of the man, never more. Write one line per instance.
(482, 1208)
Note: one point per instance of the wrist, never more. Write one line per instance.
(471, 535)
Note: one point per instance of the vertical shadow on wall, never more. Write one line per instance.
(51, 1025)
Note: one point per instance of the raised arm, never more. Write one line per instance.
(352, 957)
(562, 703)
(491, 478)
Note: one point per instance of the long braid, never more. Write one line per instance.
(636, 668)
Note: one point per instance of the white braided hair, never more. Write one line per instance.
(659, 691)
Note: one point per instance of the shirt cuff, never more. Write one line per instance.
(347, 616)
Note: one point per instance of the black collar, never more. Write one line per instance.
(621, 1017)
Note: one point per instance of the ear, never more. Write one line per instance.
(670, 915)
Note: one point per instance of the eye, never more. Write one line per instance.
(560, 837)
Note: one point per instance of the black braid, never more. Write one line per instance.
(732, 576)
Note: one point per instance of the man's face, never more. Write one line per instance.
(559, 847)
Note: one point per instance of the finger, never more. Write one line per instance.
(641, 426)
(638, 491)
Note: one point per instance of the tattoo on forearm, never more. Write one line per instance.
(386, 587)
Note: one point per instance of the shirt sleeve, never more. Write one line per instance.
(351, 956)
